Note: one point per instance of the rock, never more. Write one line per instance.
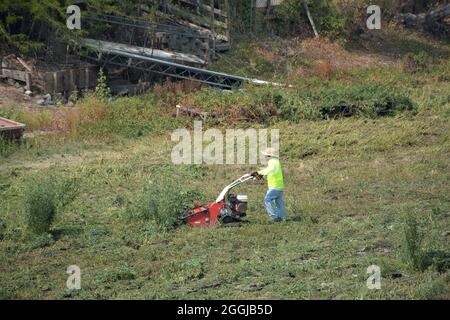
(70, 104)
(29, 93)
(21, 90)
(361, 251)
(11, 82)
(395, 275)
(41, 102)
(123, 93)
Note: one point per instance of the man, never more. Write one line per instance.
(274, 197)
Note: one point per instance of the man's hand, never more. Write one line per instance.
(256, 175)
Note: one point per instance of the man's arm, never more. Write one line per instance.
(269, 169)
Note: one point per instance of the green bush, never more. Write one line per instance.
(439, 259)
(416, 62)
(164, 200)
(102, 91)
(40, 207)
(6, 147)
(330, 22)
(266, 104)
(44, 197)
(414, 253)
(328, 103)
(433, 289)
(411, 241)
(40, 241)
(126, 117)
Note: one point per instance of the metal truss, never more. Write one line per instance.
(170, 69)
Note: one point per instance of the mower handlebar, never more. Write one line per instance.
(246, 177)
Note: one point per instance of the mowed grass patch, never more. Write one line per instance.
(349, 183)
(344, 215)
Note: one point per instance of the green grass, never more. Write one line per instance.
(352, 186)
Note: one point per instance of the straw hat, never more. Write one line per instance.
(270, 152)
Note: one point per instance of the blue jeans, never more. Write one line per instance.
(274, 204)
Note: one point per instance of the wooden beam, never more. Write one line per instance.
(26, 66)
(313, 25)
(212, 30)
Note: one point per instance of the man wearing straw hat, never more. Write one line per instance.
(274, 196)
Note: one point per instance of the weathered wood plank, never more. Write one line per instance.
(15, 74)
(70, 80)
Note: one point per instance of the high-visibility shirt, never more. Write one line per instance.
(274, 174)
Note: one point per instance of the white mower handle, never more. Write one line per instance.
(241, 180)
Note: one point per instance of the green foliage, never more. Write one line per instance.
(365, 100)
(102, 91)
(415, 62)
(128, 117)
(44, 197)
(412, 249)
(21, 16)
(439, 259)
(411, 241)
(40, 206)
(40, 240)
(124, 272)
(265, 104)
(433, 289)
(164, 200)
(330, 22)
(6, 147)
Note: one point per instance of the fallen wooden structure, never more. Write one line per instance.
(191, 112)
(62, 81)
(11, 130)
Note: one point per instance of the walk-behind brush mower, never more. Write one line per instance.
(228, 208)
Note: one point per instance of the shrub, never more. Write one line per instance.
(44, 197)
(126, 117)
(416, 62)
(40, 207)
(366, 100)
(6, 147)
(433, 289)
(411, 241)
(102, 91)
(164, 200)
(330, 22)
(265, 104)
(439, 259)
(40, 241)
(412, 251)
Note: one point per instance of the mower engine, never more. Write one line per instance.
(226, 209)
